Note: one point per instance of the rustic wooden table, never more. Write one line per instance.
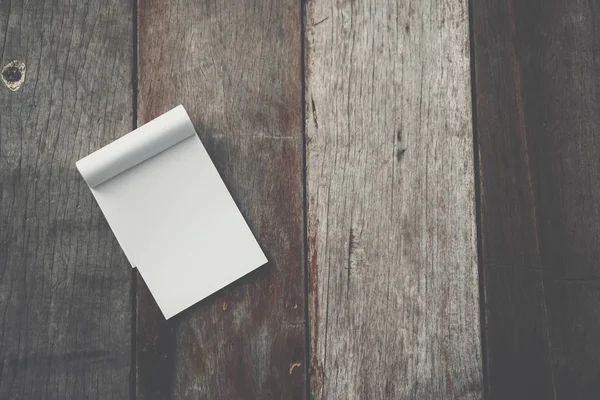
(423, 176)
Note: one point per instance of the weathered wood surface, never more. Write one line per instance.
(237, 70)
(394, 302)
(393, 291)
(538, 90)
(65, 286)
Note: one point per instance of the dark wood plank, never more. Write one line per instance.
(394, 310)
(538, 90)
(236, 69)
(65, 286)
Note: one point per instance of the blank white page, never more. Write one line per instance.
(171, 212)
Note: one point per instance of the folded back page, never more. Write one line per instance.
(171, 212)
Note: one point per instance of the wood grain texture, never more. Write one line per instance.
(394, 310)
(538, 90)
(65, 286)
(236, 69)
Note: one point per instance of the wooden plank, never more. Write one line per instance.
(538, 119)
(391, 207)
(65, 286)
(236, 69)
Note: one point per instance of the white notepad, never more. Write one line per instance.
(171, 212)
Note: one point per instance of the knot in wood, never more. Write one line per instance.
(13, 75)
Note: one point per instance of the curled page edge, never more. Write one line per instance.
(136, 147)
